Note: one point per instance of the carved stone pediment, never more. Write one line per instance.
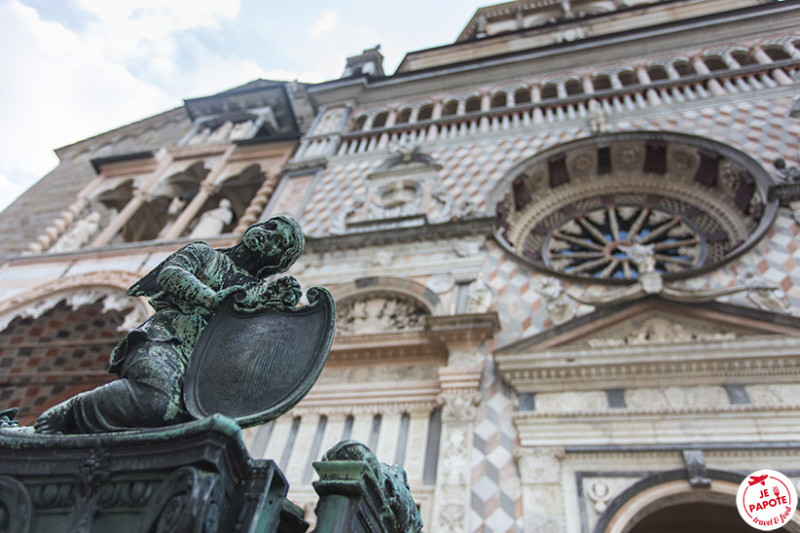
(659, 327)
(371, 314)
(654, 342)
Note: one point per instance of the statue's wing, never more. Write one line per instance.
(148, 284)
(253, 367)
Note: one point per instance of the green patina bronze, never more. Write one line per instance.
(185, 290)
(223, 350)
(359, 494)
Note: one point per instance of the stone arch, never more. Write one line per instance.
(109, 286)
(56, 340)
(671, 489)
(719, 194)
(387, 284)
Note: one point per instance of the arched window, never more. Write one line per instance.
(380, 119)
(684, 68)
(573, 87)
(425, 112)
(358, 124)
(657, 73)
(549, 91)
(499, 100)
(404, 116)
(522, 96)
(473, 104)
(715, 63)
(601, 82)
(450, 108)
(627, 77)
(776, 52)
(743, 57)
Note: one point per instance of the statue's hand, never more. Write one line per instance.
(283, 292)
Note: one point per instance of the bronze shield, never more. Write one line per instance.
(255, 367)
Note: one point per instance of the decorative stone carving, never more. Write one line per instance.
(379, 314)
(441, 283)
(479, 296)
(765, 294)
(459, 407)
(381, 258)
(113, 300)
(467, 248)
(659, 330)
(600, 494)
(542, 494)
(560, 307)
(785, 173)
(78, 235)
(774, 395)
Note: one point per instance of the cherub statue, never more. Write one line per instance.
(185, 290)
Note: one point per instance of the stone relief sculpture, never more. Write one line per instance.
(186, 289)
(479, 296)
(78, 235)
(557, 304)
(213, 221)
(764, 294)
(379, 314)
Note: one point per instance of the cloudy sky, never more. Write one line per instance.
(75, 68)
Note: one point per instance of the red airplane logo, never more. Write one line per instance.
(758, 479)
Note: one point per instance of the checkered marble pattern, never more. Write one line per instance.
(472, 166)
(496, 498)
(43, 358)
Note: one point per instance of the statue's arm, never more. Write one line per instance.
(178, 278)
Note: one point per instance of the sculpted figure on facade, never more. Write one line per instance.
(213, 221)
(185, 290)
(78, 235)
(558, 305)
(479, 296)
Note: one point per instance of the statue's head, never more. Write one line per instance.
(278, 242)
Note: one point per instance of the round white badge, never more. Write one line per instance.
(766, 500)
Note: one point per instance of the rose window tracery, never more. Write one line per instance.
(614, 241)
(611, 206)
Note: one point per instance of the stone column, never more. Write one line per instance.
(451, 508)
(208, 188)
(536, 97)
(713, 85)
(543, 504)
(140, 195)
(644, 79)
(778, 74)
(65, 219)
(258, 203)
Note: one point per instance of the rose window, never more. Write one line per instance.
(615, 241)
(609, 207)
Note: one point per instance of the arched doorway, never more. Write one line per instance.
(667, 503)
(700, 517)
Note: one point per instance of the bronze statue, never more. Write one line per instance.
(185, 290)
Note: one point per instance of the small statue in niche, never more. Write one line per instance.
(213, 221)
(185, 290)
(479, 296)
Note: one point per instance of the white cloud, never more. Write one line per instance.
(325, 23)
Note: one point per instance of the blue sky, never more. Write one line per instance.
(75, 68)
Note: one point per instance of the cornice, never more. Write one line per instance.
(426, 232)
(624, 429)
(379, 397)
(754, 359)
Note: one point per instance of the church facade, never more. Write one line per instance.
(563, 249)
